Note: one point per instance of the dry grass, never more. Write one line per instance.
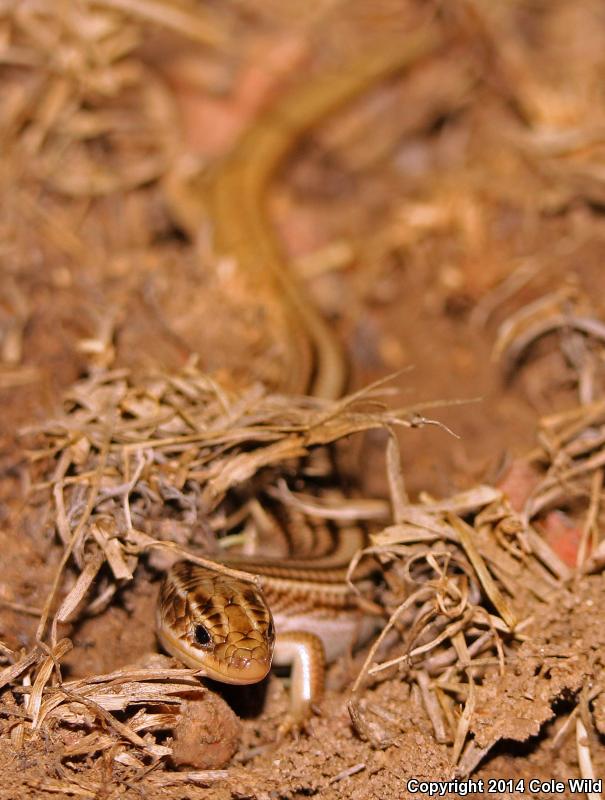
(136, 467)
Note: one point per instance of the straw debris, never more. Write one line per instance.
(135, 467)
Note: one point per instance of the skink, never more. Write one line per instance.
(306, 614)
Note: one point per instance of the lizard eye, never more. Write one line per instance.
(201, 635)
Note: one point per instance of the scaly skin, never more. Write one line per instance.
(233, 197)
(316, 613)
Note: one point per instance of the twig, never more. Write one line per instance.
(584, 757)
(346, 773)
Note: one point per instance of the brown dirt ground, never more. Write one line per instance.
(442, 184)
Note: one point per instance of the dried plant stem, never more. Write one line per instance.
(590, 527)
(465, 719)
(75, 538)
(492, 591)
(395, 616)
(584, 758)
(199, 27)
(431, 704)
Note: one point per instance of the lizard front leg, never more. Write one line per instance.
(304, 653)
